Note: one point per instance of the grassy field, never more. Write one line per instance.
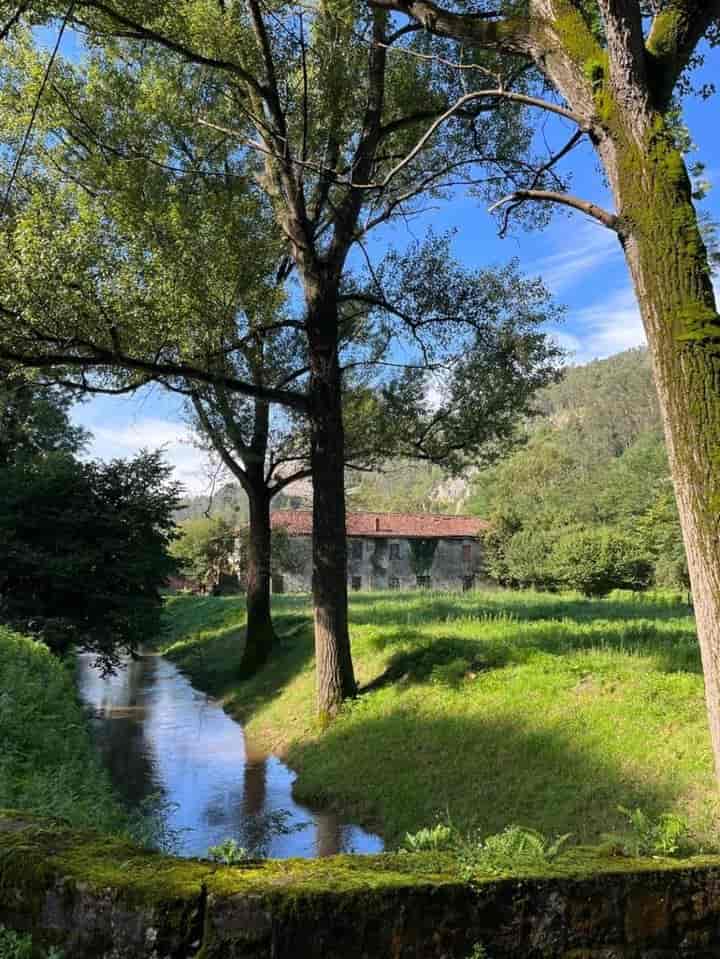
(489, 708)
(48, 764)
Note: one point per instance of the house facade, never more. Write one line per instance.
(389, 551)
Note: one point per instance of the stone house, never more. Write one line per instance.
(389, 551)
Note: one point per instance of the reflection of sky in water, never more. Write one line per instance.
(155, 732)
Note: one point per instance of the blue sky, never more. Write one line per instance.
(580, 262)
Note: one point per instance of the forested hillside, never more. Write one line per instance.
(594, 462)
(590, 476)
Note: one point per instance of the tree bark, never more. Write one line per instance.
(669, 267)
(259, 632)
(335, 679)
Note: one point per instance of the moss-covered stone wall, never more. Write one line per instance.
(99, 897)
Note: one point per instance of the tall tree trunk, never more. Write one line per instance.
(669, 266)
(259, 632)
(335, 679)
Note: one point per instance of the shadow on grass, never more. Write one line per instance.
(445, 632)
(205, 638)
(400, 772)
(450, 658)
(395, 607)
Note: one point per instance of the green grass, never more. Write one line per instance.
(48, 764)
(491, 708)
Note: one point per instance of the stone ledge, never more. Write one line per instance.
(107, 899)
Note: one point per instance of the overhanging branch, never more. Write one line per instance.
(105, 359)
(609, 220)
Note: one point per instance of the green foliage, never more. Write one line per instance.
(430, 838)
(422, 553)
(229, 853)
(34, 420)
(516, 847)
(84, 550)
(526, 559)
(646, 835)
(401, 486)
(19, 945)
(15, 945)
(48, 764)
(597, 561)
(479, 951)
(594, 459)
(204, 548)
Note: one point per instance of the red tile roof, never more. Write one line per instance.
(404, 525)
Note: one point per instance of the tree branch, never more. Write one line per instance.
(13, 20)
(230, 462)
(609, 220)
(458, 105)
(676, 31)
(507, 34)
(141, 32)
(101, 358)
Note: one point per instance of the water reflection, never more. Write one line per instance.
(158, 734)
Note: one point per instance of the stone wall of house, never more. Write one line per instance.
(391, 563)
(102, 898)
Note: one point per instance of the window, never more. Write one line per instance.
(393, 582)
(467, 552)
(356, 549)
(356, 583)
(278, 583)
(423, 582)
(394, 550)
(468, 583)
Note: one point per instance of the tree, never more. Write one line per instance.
(84, 550)
(616, 68)
(265, 460)
(312, 110)
(596, 561)
(34, 419)
(593, 458)
(204, 548)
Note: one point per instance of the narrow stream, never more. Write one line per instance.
(157, 734)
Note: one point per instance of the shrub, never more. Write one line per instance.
(514, 847)
(527, 558)
(84, 550)
(596, 561)
(666, 835)
(19, 945)
(431, 838)
(228, 852)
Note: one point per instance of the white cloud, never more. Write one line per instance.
(586, 248)
(122, 426)
(604, 327)
(191, 467)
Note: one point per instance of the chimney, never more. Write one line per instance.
(377, 524)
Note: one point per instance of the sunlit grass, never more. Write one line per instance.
(48, 765)
(489, 707)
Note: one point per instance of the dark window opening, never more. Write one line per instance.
(423, 582)
(468, 583)
(278, 583)
(393, 582)
(356, 549)
(466, 552)
(394, 550)
(356, 582)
